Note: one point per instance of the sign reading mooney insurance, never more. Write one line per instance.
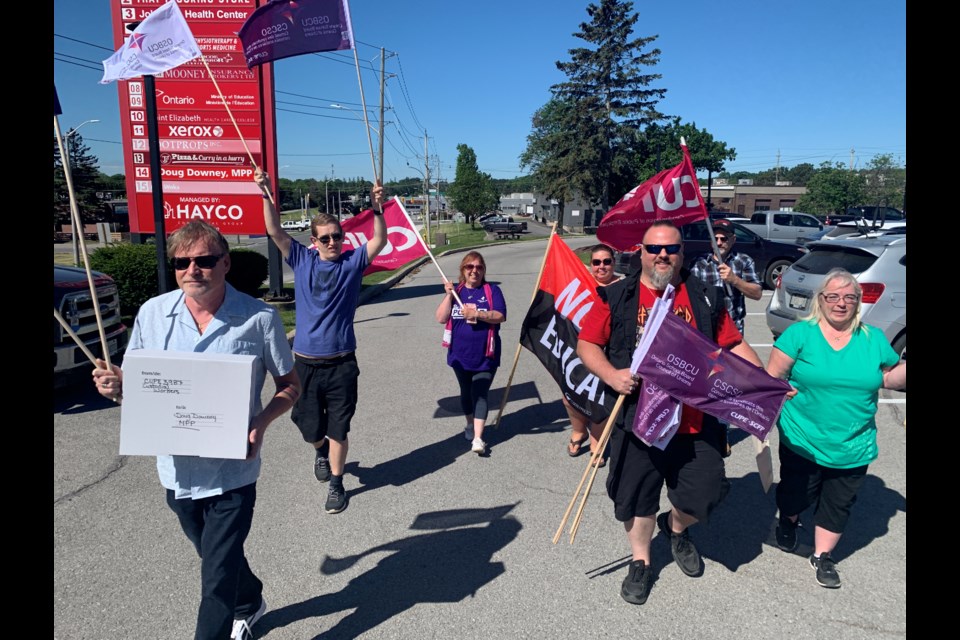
(204, 166)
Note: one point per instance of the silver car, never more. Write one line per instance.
(879, 265)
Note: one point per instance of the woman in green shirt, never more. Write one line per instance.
(828, 431)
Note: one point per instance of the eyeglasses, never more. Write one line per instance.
(721, 239)
(335, 237)
(473, 267)
(204, 262)
(834, 298)
(597, 262)
(655, 249)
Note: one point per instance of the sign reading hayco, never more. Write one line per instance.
(205, 169)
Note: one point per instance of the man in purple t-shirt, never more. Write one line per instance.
(327, 284)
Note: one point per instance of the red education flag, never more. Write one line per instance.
(287, 28)
(403, 241)
(566, 293)
(673, 194)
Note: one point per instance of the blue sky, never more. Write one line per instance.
(808, 81)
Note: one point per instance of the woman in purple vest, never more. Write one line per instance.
(473, 340)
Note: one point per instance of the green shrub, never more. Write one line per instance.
(134, 268)
(248, 270)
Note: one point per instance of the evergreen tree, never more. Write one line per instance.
(85, 175)
(610, 97)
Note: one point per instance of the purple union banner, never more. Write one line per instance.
(699, 373)
(285, 28)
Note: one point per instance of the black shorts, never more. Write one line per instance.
(804, 482)
(691, 466)
(329, 397)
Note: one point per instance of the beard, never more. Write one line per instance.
(660, 279)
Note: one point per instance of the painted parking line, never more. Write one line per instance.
(892, 401)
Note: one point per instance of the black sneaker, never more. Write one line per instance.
(682, 547)
(636, 586)
(787, 533)
(336, 499)
(321, 466)
(827, 575)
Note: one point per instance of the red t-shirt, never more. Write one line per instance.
(596, 330)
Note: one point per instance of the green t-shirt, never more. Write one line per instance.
(832, 419)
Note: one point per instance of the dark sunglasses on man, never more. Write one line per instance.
(335, 237)
(655, 249)
(204, 262)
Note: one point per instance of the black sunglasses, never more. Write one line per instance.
(204, 262)
(336, 237)
(597, 262)
(655, 249)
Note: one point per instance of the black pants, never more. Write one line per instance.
(804, 482)
(217, 527)
(474, 386)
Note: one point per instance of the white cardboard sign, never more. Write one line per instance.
(186, 403)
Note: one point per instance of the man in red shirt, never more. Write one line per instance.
(692, 463)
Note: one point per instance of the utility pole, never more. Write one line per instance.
(777, 179)
(851, 158)
(426, 184)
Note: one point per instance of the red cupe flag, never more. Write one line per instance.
(403, 242)
(673, 194)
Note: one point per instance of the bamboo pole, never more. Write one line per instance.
(516, 358)
(604, 437)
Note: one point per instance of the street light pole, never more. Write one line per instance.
(75, 241)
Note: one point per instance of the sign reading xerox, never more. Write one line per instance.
(205, 167)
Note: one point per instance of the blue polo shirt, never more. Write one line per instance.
(242, 325)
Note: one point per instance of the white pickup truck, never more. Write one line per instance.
(783, 226)
(295, 225)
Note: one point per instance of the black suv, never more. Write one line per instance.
(771, 258)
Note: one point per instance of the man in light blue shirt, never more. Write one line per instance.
(213, 497)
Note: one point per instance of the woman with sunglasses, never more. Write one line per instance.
(474, 340)
(601, 268)
(828, 430)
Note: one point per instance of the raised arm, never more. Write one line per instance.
(270, 215)
(376, 244)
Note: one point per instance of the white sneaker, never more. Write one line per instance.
(242, 628)
(468, 433)
(479, 446)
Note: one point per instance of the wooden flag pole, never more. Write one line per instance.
(427, 249)
(516, 358)
(226, 106)
(592, 466)
(76, 338)
(363, 102)
(603, 437)
(78, 229)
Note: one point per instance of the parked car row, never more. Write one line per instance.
(771, 258)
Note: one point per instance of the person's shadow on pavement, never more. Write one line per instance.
(747, 519)
(447, 565)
